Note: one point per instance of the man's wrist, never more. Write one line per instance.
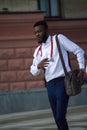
(38, 67)
(83, 70)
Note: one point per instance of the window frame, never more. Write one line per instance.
(50, 15)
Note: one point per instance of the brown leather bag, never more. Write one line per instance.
(72, 84)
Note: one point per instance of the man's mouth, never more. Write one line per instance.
(39, 38)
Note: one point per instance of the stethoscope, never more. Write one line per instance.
(51, 50)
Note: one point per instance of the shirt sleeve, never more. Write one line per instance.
(73, 47)
(33, 68)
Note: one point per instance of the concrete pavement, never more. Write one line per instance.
(43, 120)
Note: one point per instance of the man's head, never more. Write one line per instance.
(41, 31)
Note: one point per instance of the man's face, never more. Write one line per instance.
(40, 33)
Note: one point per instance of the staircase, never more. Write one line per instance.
(43, 120)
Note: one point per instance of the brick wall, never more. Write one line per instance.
(17, 44)
(14, 69)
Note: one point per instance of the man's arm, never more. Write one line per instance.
(79, 52)
(73, 47)
(34, 69)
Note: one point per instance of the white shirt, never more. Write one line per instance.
(55, 68)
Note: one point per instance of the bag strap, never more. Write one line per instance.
(61, 56)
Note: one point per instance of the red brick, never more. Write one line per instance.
(4, 87)
(82, 44)
(28, 63)
(24, 75)
(72, 56)
(35, 84)
(8, 76)
(86, 57)
(23, 52)
(6, 53)
(3, 65)
(33, 49)
(17, 85)
(16, 64)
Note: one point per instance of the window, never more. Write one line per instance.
(50, 7)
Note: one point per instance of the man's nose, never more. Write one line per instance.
(37, 34)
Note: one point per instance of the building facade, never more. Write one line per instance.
(17, 44)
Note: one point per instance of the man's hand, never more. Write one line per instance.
(81, 76)
(43, 63)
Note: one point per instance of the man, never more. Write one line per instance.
(46, 56)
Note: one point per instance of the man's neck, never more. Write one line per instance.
(45, 39)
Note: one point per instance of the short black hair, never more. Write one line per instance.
(42, 22)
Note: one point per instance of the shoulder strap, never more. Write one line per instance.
(61, 56)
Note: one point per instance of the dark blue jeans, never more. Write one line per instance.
(58, 101)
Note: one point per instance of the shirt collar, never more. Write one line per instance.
(47, 41)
